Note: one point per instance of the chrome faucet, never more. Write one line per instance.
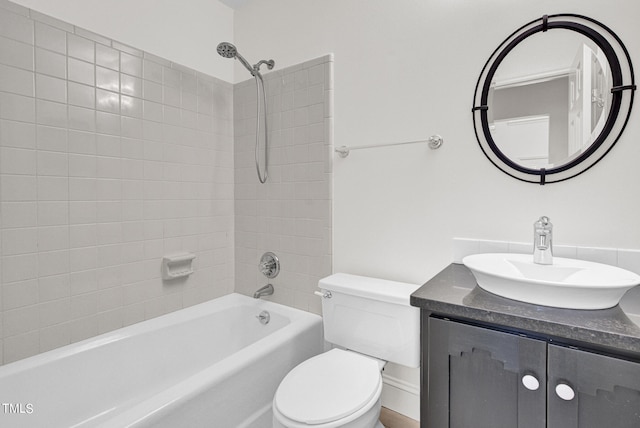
(267, 290)
(543, 241)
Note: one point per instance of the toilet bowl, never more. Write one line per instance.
(373, 320)
(335, 389)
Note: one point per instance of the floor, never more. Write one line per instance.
(391, 419)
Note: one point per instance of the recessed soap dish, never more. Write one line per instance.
(177, 265)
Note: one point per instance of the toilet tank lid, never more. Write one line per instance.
(371, 288)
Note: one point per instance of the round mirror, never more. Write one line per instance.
(553, 98)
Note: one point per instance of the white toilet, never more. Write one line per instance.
(373, 320)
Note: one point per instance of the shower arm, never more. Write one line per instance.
(270, 64)
(244, 62)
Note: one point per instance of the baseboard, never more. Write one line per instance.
(401, 396)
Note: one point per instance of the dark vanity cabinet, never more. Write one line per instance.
(474, 377)
(483, 377)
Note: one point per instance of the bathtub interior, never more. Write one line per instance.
(85, 383)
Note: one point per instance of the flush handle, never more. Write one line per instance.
(323, 294)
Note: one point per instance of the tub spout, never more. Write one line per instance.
(267, 290)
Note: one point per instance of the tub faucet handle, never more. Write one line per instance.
(269, 265)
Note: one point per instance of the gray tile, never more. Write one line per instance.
(15, 8)
(131, 64)
(51, 63)
(16, 54)
(107, 101)
(107, 123)
(16, 80)
(92, 36)
(82, 119)
(81, 95)
(16, 27)
(17, 134)
(51, 88)
(128, 49)
(151, 91)
(130, 85)
(81, 48)
(51, 38)
(130, 106)
(171, 77)
(51, 21)
(107, 57)
(157, 59)
(107, 79)
(51, 113)
(152, 71)
(17, 107)
(81, 72)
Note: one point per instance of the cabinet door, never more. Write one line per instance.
(476, 378)
(606, 390)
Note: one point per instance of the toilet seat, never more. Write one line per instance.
(329, 387)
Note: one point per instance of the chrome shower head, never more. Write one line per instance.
(227, 50)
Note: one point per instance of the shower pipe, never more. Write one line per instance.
(227, 50)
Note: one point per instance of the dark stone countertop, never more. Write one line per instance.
(454, 293)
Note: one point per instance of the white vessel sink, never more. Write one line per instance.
(567, 283)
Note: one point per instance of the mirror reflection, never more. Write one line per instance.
(549, 99)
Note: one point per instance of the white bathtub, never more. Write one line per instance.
(210, 365)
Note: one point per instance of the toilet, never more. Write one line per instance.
(370, 322)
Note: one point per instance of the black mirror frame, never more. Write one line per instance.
(621, 72)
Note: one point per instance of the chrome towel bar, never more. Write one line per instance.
(435, 141)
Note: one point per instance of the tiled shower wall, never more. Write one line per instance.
(290, 214)
(110, 158)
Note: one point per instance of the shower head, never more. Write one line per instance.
(227, 50)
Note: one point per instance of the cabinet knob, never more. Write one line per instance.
(530, 382)
(565, 392)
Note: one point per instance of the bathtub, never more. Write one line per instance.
(210, 365)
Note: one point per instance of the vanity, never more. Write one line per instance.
(539, 343)
(489, 361)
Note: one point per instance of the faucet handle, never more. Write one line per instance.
(544, 222)
(269, 265)
(543, 241)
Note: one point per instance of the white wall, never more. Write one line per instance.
(403, 70)
(186, 32)
(406, 70)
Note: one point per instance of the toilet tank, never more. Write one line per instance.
(372, 316)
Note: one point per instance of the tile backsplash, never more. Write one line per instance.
(110, 158)
(626, 259)
(291, 214)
